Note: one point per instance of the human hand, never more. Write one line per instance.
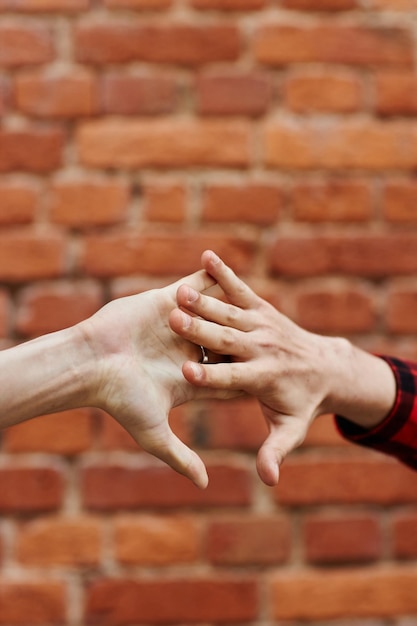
(139, 377)
(287, 368)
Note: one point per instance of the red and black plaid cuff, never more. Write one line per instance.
(396, 435)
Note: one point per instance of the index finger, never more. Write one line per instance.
(236, 291)
(200, 281)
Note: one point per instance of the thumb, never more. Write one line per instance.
(282, 439)
(161, 442)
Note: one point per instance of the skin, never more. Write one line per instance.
(296, 375)
(126, 360)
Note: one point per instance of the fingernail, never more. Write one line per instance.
(215, 258)
(192, 295)
(186, 320)
(196, 369)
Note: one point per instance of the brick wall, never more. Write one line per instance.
(134, 134)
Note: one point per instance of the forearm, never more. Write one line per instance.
(45, 375)
(363, 386)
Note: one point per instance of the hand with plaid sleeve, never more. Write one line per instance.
(296, 375)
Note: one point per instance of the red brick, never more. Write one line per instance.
(402, 311)
(400, 201)
(109, 487)
(185, 600)
(85, 202)
(46, 308)
(323, 432)
(234, 425)
(180, 43)
(324, 91)
(44, 6)
(137, 4)
(332, 200)
(5, 313)
(255, 203)
(404, 531)
(4, 96)
(352, 45)
(68, 96)
(37, 603)
(336, 311)
(373, 256)
(25, 45)
(68, 433)
(30, 489)
(238, 541)
(395, 93)
(35, 150)
(165, 202)
(157, 541)
(373, 146)
(320, 5)
(74, 542)
(232, 94)
(313, 480)
(397, 5)
(341, 538)
(229, 5)
(139, 95)
(18, 202)
(385, 592)
(26, 255)
(163, 144)
(121, 255)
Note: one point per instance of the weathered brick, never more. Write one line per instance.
(138, 95)
(49, 307)
(370, 592)
(336, 311)
(395, 93)
(44, 6)
(34, 150)
(26, 255)
(25, 45)
(163, 144)
(110, 487)
(372, 146)
(5, 313)
(18, 202)
(401, 314)
(320, 5)
(67, 96)
(157, 541)
(323, 91)
(67, 433)
(37, 603)
(404, 527)
(74, 542)
(137, 4)
(232, 94)
(229, 5)
(352, 45)
(176, 43)
(373, 256)
(341, 538)
(185, 600)
(121, 255)
(255, 203)
(397, 5)
(234, 425)
(313, 480)
(332, 200)
(30, 489)
(82, 203)
(323, 432)
(249, 541)
(165, 202)
(400, 201)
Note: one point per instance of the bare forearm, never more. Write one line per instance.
(45, 375)
(363, 387)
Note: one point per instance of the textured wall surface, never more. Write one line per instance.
(134, 134)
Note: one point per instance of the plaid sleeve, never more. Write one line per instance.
(397, 434)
